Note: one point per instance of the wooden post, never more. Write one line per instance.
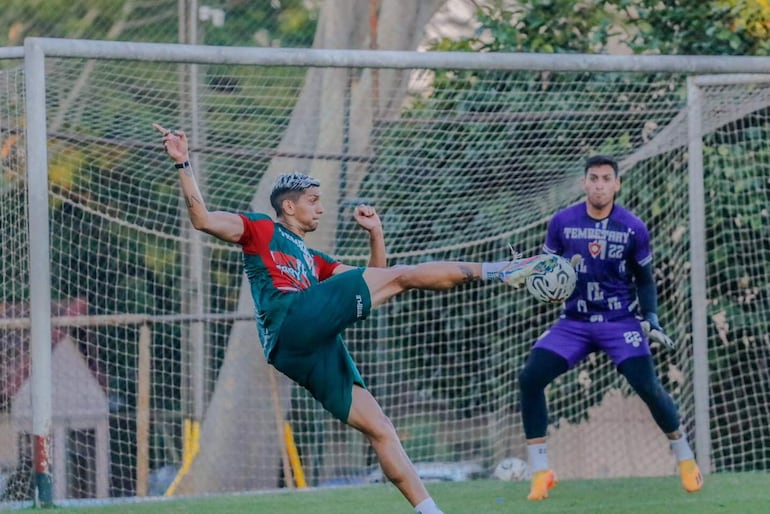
(278, 413)
(143, 412)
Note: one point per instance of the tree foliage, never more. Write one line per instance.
(684, 27)
(545, 26)
(286, 23)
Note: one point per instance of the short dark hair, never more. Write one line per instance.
(600, 160)
(290, 185)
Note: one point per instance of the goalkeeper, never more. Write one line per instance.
(305, 299)
(610, 250)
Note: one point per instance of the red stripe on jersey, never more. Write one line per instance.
(256, 241)
(325, 268)
(256, 235)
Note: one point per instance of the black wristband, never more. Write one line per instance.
(180, 165)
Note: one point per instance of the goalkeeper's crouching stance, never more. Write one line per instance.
(610, 250)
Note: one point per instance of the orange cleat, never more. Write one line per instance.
(542, 482)
(692, 480)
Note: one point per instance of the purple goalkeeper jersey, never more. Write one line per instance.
(610, 248)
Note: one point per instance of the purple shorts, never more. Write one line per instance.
(574, 340)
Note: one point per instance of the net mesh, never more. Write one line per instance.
(14, 271)
(459, 165)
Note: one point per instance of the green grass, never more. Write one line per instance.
(725, 493)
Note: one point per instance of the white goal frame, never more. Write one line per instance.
(36, 50)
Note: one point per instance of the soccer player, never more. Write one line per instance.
(610, 250)
(305, 299)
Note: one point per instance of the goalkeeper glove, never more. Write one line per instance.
(654, 332)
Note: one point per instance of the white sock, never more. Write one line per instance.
(491, 270)
(538, 457)
(681, 448)
(427, 506)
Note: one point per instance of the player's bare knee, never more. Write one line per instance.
(404, 276)
(400, 279)
(385, 283)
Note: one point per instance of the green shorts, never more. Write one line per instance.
(309, 348)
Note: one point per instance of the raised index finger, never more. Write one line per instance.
(160, 129)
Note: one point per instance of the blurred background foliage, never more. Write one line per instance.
(282, 23)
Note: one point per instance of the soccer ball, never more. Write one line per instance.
(553, 279)
(510, 469)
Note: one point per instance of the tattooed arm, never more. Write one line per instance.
(226, 226)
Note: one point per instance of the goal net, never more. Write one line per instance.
(460, 165)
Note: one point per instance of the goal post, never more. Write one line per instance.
(477, 153)
(39, 267)
(698, 272)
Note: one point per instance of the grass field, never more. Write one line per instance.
(725, 493)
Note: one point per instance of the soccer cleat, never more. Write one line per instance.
(692, 480)
(542, 482)
(516, 272)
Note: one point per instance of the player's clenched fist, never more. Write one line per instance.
(366, 216)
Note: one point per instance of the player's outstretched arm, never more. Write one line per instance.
(224, 225)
